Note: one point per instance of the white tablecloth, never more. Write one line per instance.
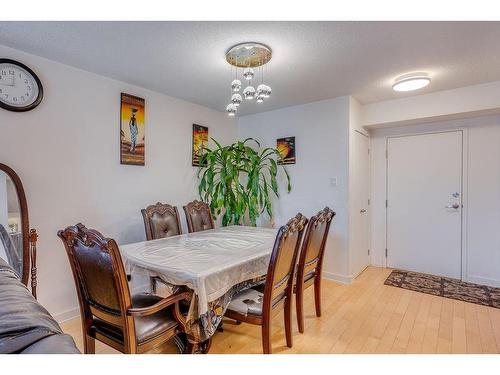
(209, 262)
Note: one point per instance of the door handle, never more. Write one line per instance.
(455, 206)
(362, 211)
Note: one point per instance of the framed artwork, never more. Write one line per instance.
(132, 130)
(286, 148)
(200, 140)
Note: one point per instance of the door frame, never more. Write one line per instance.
(369, 213)
(465, 150)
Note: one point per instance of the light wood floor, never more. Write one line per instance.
(365, 317)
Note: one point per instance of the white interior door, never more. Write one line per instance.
(360, 190)
(424, 203)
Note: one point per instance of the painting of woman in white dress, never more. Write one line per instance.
(132, 130)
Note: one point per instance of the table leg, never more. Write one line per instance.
(186, 345)
(204, 347)
(191, 348)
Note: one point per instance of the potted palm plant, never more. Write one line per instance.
(239, 180)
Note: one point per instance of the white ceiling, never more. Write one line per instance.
(311, 60)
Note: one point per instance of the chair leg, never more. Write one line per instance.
(89, 345)
(288, 321)
(266, 337)
(299, 306)
(317, 295)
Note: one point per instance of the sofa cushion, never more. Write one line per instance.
(23, 321)
(53, 344)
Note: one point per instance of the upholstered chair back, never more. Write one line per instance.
(198, 216)
(99, 273)
(313, 246)
(160, 221)
(280, 274)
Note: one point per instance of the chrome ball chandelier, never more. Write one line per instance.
(251, 58)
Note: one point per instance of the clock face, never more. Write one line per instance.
(20, 88)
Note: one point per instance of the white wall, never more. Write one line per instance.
(482, 199)
(321, 134)
(66, 152)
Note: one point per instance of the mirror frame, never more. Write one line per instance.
(24, 220)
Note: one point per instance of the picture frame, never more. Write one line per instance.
(132, 130)
(286, 148)
(199, 141)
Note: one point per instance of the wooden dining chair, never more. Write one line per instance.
(254, 307)
(130, 324)
(198, 216)
(311, 261)
(160, 221)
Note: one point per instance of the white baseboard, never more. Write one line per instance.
(483, 281)
(338, 278)
(67, 315)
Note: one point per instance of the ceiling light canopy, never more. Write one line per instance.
(251, 57)
(411, 82)
(248, 55)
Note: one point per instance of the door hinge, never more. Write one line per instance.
(386, 252)
(368, 151)
(386, 154)
(368, 251)
(368, 202)
(386, 203)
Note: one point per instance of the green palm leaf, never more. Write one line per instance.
(236, 179)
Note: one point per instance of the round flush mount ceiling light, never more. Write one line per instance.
(411, 82)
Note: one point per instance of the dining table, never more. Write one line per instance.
(214, 264)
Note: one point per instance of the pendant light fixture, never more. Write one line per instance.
(248, 56)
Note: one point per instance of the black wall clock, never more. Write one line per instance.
(20, 88)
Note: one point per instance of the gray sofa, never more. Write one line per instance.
(25, 326)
